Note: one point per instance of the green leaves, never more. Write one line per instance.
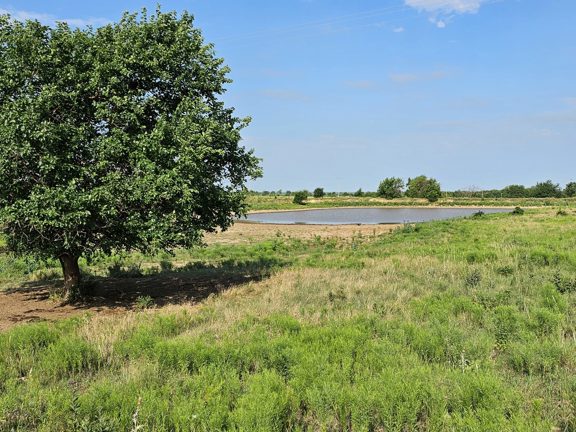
(114, 138)
(424, 187)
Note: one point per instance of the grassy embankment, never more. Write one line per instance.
(456, 325)
(281, 202)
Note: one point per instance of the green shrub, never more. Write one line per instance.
(143, 302)
(300, 197)
(518, 211)
(505, 270)
(473, 279)
(69, 356)
(545, 322)
(564, 284)
(267, 404)
(507, 323)
(537, 358)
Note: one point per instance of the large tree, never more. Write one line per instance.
(570, 190)
(115, 139)
(424, 187)
(391, 187)
(547, 189)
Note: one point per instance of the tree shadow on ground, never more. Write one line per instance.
(188, 284)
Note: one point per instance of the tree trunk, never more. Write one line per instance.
(71, 272)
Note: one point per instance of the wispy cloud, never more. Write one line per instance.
(442, 11)
(362, 84)
(398, 30)
(285, 95)
(48, 19)
(570, 101)
(406, 78)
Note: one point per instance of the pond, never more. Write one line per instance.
(370, 216)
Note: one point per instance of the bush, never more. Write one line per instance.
(318, 193)
(473, 279)
(300, 197)
(518, 211)
(391, 187)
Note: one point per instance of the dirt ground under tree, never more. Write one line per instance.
(35, 301)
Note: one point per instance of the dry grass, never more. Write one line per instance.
(243, 232)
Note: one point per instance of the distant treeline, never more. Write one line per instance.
(394, 188)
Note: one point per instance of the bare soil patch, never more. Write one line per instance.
(246, 232)
(36, 302)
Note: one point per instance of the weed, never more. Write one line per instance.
(119, 271)
(143, 302)
(473, 279)
(564, 284)
(505, 270)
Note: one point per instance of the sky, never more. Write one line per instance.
(479, 94)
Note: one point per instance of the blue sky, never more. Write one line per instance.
(476, 93)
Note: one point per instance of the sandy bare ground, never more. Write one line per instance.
(243, 232)
(36, 302)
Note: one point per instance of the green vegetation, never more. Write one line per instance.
(318, 193)
(114, 139)
(570, 190)
(300, 197)
(464, 325)
(391, 187)
(424, 187)
(546, 189)
(285, 202)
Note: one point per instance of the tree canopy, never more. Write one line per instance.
(424, 187)
(115, 138)
(546, 189)
(570, 190)
(391, 187)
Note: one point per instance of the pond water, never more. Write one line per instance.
(370, 216)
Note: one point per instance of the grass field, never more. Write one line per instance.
(282, 202)
(463, 325)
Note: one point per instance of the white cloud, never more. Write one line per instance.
(446, 6)
(48, 19)
(438, 22)
(442, 11)
(398, 30)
